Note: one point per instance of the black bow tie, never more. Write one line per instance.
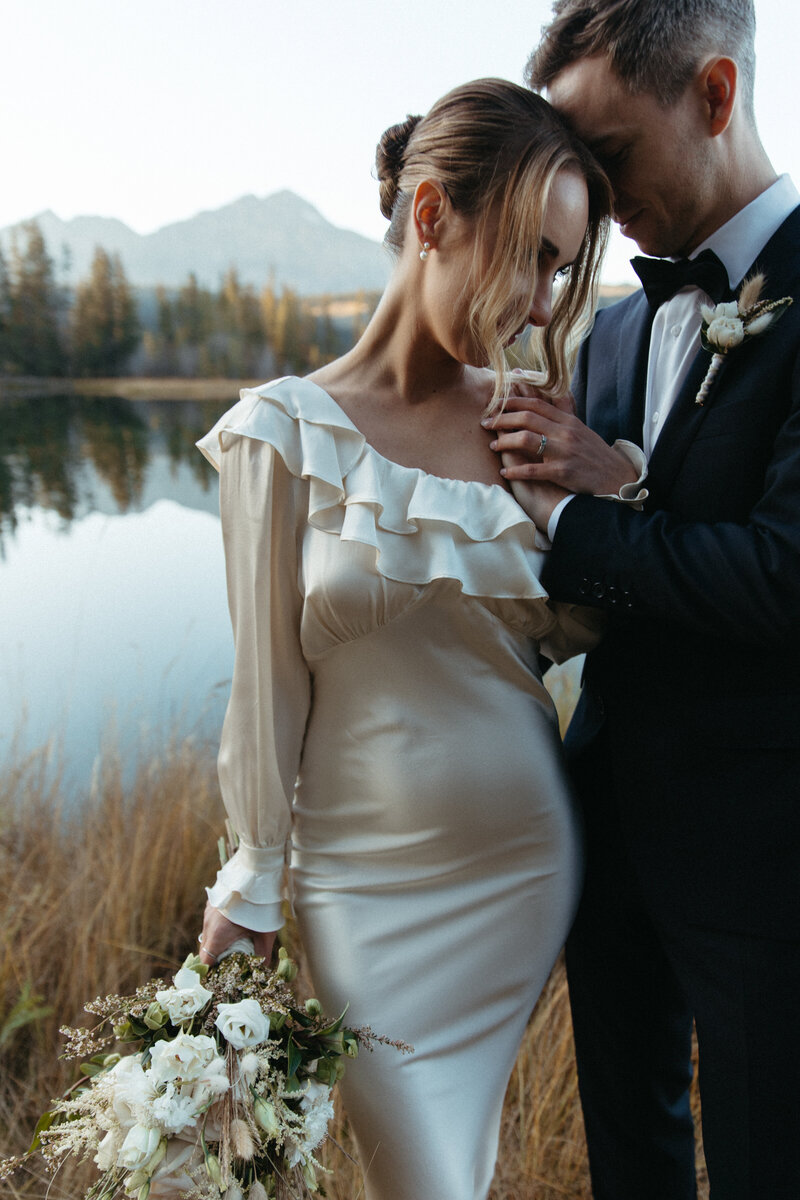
(661, 279)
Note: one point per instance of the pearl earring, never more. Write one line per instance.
(424, 251)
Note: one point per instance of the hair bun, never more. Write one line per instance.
(389, 158)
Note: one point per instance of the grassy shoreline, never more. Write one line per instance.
(14, 387)
(99, 897)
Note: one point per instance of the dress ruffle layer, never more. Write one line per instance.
(422, 527)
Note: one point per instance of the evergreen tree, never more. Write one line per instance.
(105, 326)
(5, 314)
(328, 337)
(193, 313)
(33, 340)
(166, 317)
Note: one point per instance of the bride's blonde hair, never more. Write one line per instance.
(496, 147)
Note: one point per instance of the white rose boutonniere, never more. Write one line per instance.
(726, 326)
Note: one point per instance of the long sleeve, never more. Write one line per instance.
(262, 736)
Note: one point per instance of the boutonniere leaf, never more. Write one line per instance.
(726, 326)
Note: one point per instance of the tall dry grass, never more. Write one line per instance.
(104, 893)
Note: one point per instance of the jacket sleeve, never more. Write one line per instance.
(738, 580)
(263, 731)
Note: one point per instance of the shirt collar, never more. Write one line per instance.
(739, 241)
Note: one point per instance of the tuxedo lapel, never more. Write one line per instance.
(778, 262)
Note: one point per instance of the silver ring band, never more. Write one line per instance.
(542, 446)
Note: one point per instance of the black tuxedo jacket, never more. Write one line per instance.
(692, 700)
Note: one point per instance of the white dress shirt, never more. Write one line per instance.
(675, 334)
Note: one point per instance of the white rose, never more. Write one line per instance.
(243, 1024)
(725, 332)
(186, 1057)
(186, 998)
(729, 309)
(140, 1146)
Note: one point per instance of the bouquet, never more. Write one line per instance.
(228, 1091)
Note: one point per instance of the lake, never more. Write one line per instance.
(112, 589)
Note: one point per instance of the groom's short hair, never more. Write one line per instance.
(654, 46)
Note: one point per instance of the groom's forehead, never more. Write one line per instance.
(590, 95)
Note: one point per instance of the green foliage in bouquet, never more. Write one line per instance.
(228, 1092)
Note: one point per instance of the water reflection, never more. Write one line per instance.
(111, 581)
(70, 454)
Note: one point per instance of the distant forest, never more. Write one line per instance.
(104, 327)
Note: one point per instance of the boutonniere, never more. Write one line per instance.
(726, 326)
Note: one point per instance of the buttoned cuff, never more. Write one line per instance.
(632, 494)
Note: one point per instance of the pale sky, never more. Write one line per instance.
(154, 110)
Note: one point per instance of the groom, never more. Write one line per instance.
(686, 743)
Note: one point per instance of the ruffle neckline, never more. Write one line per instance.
(421, 526)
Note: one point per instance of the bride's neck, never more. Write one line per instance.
(397, 354)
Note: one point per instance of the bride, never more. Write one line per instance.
(388, 733)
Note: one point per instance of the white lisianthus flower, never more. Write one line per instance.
(141, 1145)
(728, 309)
(243, 1024)
(186, 1057)
(725, 332)
(186, 998)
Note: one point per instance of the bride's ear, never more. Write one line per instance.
(430, 206)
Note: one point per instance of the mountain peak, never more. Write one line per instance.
(279, 236)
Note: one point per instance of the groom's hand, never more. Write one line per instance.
(572, 456)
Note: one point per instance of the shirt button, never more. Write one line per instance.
(676, 330)
(655, 418)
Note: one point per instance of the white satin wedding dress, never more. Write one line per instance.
(388, 721)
